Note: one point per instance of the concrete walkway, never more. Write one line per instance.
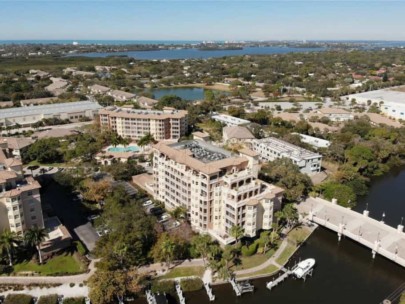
(64, 289)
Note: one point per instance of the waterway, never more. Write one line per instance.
(345, 271)
(186, 93)
(198, 54)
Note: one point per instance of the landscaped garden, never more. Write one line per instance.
(58, 265)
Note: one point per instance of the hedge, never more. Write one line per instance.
(50, 299)
(18, 298)
(80, 248)
(166, 286)
(79, 300)
(249, 251)
(191, 284)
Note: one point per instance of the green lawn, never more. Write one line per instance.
(36, 163)
(252, 261)
(265, 271)
(184, 272)
(286, 254)
(299, 234)
(402, 300)
(61, 264)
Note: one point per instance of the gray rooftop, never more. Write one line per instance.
(56, 108)
(203, 151)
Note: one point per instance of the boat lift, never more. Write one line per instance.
(287, 272)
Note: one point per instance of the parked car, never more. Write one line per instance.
(156, 211)
(92, 217)
(164, 217)
(147, 203)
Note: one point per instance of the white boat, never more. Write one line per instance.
(303, 268)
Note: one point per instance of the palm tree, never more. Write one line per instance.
(8, 241)
(237, 232)
(34, 237)
(146, 140)
(168, 250)
(202, 244)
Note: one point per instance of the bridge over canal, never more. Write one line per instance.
(379, 237)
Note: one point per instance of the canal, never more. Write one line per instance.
(345, 271)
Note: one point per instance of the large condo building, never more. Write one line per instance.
(272, 148)
(168, 124)
(218, 188)
(20, 200)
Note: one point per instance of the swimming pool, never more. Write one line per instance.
(121, 148)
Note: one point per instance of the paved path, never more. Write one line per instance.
(77, 279)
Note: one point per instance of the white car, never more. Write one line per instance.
(147, 203)
(164, 217)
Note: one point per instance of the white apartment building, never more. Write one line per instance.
(168, 124)
(219, 189)
(272, 148)
(314, 141)
(230, 120)
(25, 116)
(20, 200)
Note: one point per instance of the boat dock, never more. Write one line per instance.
(287, 272)
(150, 297)
(281, 278)
(209, 291)
(180, 295)
(241, 287)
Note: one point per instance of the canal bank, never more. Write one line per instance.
(345, 271)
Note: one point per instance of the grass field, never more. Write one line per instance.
(61, 264)
(265, 271)
(184, 272)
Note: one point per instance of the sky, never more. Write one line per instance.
(202, 20)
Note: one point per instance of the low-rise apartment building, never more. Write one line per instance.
(119, 95)
(219, 189)
(230, 120)
(168, 124)
(25, 116)
(336, 114)
(20, 200)
(272, 148)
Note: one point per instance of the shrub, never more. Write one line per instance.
(249, 250)
(163, 286)
(50, 299)
(192, 284)
(6, 269)
(72, 284)
(79, 300)
(80, 248)
(18, 298)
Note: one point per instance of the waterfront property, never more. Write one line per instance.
(376, 235)
(25, 116)
(218, 188)
(168, 124)
(230, 120)
(390, 101)
(273, 148)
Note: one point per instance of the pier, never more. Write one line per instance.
(180, 295)
(381, 238)
(209, 291)
(241, 288)
(150, 297)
